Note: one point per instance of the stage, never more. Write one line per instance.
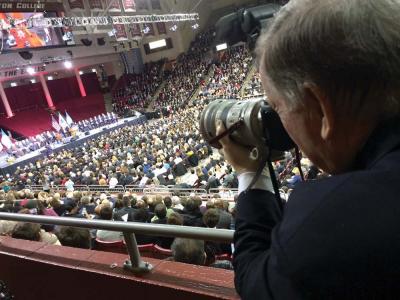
(31, 157)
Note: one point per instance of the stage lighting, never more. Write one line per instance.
(86, 42)
(26, 55)
(50, 77)
(94, 70)
(101, 41)
(80, 72)
(30, 70)
(174, 28)
(13, 84)
(33, 81)
(68, 64)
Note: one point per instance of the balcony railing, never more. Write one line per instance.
(135, 264)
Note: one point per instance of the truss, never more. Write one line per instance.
(109, 20)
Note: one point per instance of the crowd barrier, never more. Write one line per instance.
(146, 190)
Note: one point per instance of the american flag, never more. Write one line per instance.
(55, 124)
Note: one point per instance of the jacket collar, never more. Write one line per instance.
(383, 140)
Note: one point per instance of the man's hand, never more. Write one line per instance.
(236, 155)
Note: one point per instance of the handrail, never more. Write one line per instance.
(209, 234)
(135, 264)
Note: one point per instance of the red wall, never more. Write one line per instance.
(35, 270)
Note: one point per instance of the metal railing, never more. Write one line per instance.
(170, 190)
(135, 264)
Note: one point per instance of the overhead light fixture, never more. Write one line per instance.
(30, 70)
(94, 70)
(68, 64)
(13, 84)
(80, 72)
(195, 26)
(50, 78)
(111, 33)
(33, 81)
(221, 46)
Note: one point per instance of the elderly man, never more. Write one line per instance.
(331, 70)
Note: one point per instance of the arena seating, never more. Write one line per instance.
(36, 120)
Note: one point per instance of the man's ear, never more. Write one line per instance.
(323, 106)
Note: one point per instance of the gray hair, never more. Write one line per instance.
(350, 49)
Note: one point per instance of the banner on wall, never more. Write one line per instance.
(120, 32)
(28, 6)
(76, 4)
(95, 4)
(113, 5)
(21, 71)
(134, 29)
(161, 28)
(129, 5)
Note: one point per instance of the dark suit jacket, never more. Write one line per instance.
(339, 237)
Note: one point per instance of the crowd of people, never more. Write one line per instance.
(155, 209)
(229, 74)
(164, 152)
(167, 151)
(139, 88)
(187, 74)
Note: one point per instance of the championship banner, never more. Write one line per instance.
(113, 5)
(150, 30)
(161, 28)
(29, 6)
(129, 5)
(134, 29)
(95, 4)
(120, 32)
(76, 4)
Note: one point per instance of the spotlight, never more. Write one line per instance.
(101, 41)
(94, 70)
(33, 81)
(68, 64)
(111, 33)
(86, 42)
(26, 55)
(174, 28)
(30, 70)
(195, 26)
(13, 84)
(80, 72)
(50, 78)
(146, 29)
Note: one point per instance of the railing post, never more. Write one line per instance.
(135, 264)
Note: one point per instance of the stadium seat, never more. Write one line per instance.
(116, 247)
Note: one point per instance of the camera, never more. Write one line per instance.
(258, 126)
(251, 123)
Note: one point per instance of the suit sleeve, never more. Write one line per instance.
(257, 215)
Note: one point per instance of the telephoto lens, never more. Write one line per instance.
(258, 127)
